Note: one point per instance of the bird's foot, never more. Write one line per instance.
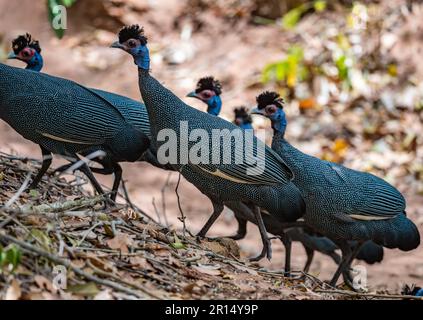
(237, 236)
(266, 252)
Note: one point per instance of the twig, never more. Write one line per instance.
(182, 218)
(117, 278)
(163, 192)
(55, 207)
(374, 295)
(69, 265)
(19, 192)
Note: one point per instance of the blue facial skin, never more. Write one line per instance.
(279, 121)
(419, 293)
(214, 105)
(141, 56)
(36, 63)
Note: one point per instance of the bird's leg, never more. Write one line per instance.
(116, 182)
(310, 256)
(346, 255)
(47, 160)
(286, 240)
(85, 169)
(346, 274)
(242, 215)
(267, 246)
(217, 210)
(110, 167)
(63, 168)
(242, 228)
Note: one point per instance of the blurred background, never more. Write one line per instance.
(351, 74)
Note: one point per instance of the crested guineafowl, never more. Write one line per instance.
(29, 51)
(259, 176)
(342, 204)
(66, 118)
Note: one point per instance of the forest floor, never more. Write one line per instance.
(353, 129)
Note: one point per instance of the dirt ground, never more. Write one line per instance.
(241, 53)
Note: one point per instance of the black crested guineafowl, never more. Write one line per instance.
(343, 204)
(29, 51)
(209, 91)
(259, 177)
(66, 118)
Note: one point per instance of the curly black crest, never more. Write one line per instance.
(209, 83)
(24, 41)
(132, 32)
(410, 290)
(267, 98)
(243, 113)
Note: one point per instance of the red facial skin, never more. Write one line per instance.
(206, 95)
(26, 54)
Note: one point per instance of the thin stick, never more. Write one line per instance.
(163, 192)
(182, 218)
(19, 192)
(374, 295)
(69, 265)
(117, 278)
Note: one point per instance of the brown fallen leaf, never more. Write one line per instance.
(141, 263)
(212, 270)
(121, 242)
(14, 291)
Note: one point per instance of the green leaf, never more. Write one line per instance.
(33, 193)
(89, 289)
(291, 18)
(320, 5)
(10, 257)
(177, 244)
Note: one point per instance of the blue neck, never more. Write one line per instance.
(246, 126)
(214, 106)
(142, 57)
(279, 126)
(36, 63)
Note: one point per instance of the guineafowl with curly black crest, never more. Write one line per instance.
(263, 180)
(66, 118)
(343, 204)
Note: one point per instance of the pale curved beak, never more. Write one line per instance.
(116, 45)
(192, 95)
(257, 111)
(11, 56)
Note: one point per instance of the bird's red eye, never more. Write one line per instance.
(206, 95)
(26, 53)
(132, 43)
(271, 109)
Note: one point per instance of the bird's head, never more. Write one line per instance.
(242, 117)
(133, 41)
(27, 50)
(270, 105)
(209, 90)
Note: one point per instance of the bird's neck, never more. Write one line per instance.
(163, 105)
(294, 158)
(246, 125)
(214, 106)
(142, 58)
(36, 63)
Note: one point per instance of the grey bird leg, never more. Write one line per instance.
(242, 229)
(47, 159)
(286, 240)
(85, 169)
(267, 246)
(347, 256)
(111, 168)
(346, 274)
(217, 210)
(310, 256)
